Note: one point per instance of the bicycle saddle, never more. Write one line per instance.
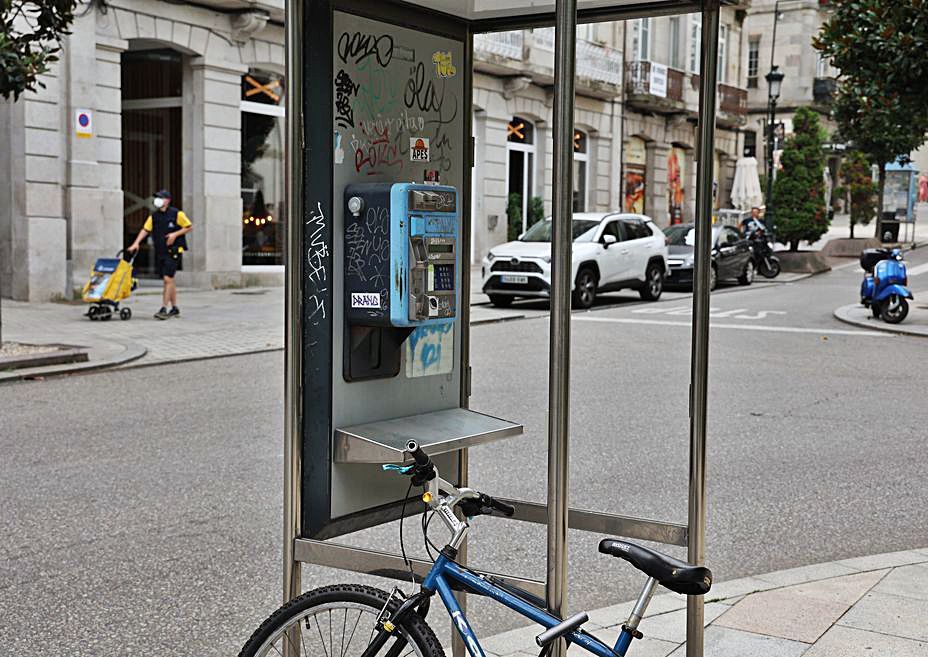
(671, 573)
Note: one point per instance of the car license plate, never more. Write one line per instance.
(510, 278)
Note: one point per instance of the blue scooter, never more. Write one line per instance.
(884, 288)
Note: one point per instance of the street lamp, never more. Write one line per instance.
(774, 82)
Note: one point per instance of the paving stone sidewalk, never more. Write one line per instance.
(875, 605)
(915, 323)
(212, 323)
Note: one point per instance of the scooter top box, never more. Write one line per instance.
(869, 258)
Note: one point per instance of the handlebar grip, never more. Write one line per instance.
(420, 457)
(502, 507)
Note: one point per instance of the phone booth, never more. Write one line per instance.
(900, 194)
(380, 153)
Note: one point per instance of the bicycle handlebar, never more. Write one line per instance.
(485, 505)
(424, 469)
(421, 458)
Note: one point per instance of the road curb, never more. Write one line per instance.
(132, 352)
(517, 642)
(496, 320)
(193, 359)
(843, 314)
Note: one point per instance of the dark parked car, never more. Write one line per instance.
(731, 256)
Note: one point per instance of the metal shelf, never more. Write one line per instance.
(437, 433)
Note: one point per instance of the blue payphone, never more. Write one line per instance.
(402, 267)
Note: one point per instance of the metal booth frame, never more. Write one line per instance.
(309, 143)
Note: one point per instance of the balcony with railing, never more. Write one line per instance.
(733, 100)
(503, 45)
(731, 103)
(654, 87)
(599, 67)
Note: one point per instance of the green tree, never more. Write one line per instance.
(30, 41)
(880, 48)
(514, 217)
(859, 186)
(536, 210)
(799, 188)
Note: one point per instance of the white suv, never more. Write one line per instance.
(611, 251)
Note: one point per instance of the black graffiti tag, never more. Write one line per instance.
(345, 90)
(421, 94)
(357, 47)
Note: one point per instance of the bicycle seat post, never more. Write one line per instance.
(644, 599)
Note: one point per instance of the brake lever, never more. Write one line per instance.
(402, 469)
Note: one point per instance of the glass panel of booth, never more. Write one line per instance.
(399, 158)
(475, 10)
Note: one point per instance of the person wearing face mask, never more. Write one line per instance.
(167, 225)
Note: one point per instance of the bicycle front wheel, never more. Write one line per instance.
(338, 621)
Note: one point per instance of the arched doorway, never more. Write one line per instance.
(520, 173)
(152, 139)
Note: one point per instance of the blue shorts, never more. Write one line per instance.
(165, 265)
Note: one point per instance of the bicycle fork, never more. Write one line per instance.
(387, 623)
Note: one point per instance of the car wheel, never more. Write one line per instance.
(653, 283)
(584, 293)
(713, 277)
(501, 300)
(747, 276)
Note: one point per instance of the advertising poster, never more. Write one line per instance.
(675, 185)
(634, 190)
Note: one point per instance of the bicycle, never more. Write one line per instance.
(397, 623)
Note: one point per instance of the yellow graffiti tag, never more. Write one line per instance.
(443, 66)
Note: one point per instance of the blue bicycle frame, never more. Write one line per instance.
(445, 569)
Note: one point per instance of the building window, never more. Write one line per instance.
(753, 61)
(264, 211)
(750, 144)
(695, 42)
(722, 71)
(520, 172)
(823, 67)
(676, 43)
(641, 39)
(581, 159)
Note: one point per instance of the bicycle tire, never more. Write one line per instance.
(422, 641)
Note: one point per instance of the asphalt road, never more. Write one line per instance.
(141, 508)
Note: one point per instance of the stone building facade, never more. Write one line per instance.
(635, 119)
(163, 88)
(189, 98)
(809, 80)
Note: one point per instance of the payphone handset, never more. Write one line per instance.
(402, 261)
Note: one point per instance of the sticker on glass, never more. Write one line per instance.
(419, 149)
(369, 300)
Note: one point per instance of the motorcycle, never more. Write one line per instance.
(767, 264)
(883, 289)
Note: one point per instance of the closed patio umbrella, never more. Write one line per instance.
(745, 189)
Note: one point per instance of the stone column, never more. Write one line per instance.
(655, 184)
(32, 172)
(494, 175)
(212, 173)
(93, 165)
